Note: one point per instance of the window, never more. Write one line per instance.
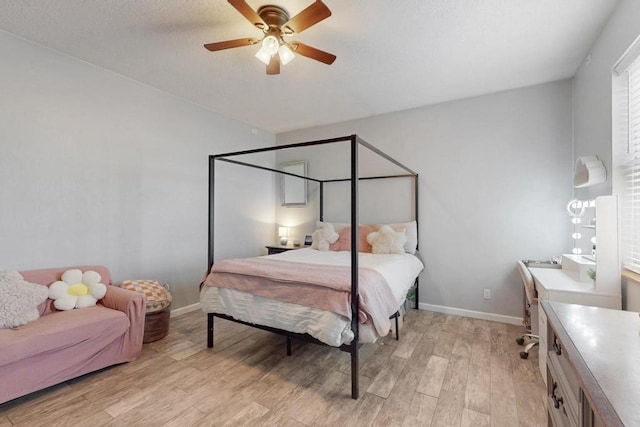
(626, 153)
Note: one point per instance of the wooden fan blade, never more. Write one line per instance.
(251, 15)
(274, 65)
(230, 44)
(308, 17)
(312, 52)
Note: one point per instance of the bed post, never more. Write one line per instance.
(212, 177)
(355, 368)
(212, 174)
(321, 201)
(415, 202)
(210, 330)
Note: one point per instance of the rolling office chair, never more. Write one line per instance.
(530, 314)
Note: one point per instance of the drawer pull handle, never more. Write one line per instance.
(557, 401)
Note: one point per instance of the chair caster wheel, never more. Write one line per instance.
(520, 341)
(524, 355)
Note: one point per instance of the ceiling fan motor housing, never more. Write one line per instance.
(273, 16)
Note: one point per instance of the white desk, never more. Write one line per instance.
(556, 285)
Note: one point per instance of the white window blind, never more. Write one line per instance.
(629, 168)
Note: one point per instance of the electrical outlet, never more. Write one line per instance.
(487, 294)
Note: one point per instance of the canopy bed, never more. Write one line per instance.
(342, 297)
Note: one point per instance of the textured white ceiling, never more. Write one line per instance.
(392, 55)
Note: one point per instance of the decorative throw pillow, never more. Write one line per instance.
(324, 236)
(77, 290)
(411, 230)
(19, 300)
(344, 240)
(387, 241)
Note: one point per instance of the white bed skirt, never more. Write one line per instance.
(328, 327)
(400, 272)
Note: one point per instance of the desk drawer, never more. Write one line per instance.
(558, 358)
(562, 406)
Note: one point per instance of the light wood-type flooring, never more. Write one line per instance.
(444, 371)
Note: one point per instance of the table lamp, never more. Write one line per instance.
(283, 232)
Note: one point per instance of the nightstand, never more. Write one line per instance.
(276, 249)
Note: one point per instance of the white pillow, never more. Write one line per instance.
(77, 290)
(411, 227)
(19, 300)
(324, 236)
(387, 241)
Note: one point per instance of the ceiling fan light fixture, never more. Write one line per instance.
(286, 54)
(263, 55)
(270, 44)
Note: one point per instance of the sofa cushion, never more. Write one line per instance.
(62, 330)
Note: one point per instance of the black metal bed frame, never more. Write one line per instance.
(355, 141)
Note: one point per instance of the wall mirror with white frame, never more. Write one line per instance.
(293, 190)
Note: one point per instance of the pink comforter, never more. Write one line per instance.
(326, 287)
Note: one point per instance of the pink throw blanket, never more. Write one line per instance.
(327, 287)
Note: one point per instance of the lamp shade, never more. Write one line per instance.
(286, 54)
(270, 44)
(283, 231)
(263, 55)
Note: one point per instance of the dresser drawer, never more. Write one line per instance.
(563, 408)
(578, 361)
(558, 357)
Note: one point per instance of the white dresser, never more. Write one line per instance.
(593, 376)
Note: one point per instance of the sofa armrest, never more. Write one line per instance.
(133, 305)
(124, 300)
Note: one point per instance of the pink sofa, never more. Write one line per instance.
(61, 345)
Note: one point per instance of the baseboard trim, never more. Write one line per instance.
(471, 313)
(184, 310)
(423, 306)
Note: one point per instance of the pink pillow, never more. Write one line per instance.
(344, 240)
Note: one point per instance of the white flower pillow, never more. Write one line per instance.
(387, 241)
(324, 236)
(77, 290)
(19, 300)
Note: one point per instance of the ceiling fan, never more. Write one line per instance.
(275, 23)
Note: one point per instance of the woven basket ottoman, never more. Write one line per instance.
(158, 298)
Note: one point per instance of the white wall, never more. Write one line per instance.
(495, 176)
(592, 90)
(332, 161)
(593, 103)
(97, 168)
